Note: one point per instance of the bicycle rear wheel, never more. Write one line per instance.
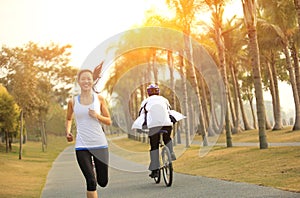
(167, 167)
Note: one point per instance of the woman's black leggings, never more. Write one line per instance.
(85, 161)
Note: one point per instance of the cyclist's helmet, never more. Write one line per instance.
(153, 89)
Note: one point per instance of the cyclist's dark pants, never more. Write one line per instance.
(155, 136)
(84, 159)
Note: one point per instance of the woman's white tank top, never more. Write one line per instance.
(90, 133)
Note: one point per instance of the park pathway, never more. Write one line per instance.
(66, 181)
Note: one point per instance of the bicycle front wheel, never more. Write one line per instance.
(167, 166)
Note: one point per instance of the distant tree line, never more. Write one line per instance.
(34, 80)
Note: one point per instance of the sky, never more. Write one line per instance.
(83, 24)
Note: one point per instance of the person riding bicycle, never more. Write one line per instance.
(155, 112)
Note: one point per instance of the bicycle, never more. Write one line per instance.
(165, 160)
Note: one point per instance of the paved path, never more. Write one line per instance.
(66, 181)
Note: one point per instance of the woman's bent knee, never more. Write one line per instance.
(103, 182)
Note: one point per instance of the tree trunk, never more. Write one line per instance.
(244, 116)
(21, 135)
(294, 54)
(275, 95)
(172, 85)
(215, 125)
(43, 135)
(268, 124)
(154, 68)
(230, 103)
(294, 88)
(210, 130)
(205, 104)
(236, 124)
(185, 102)
(194, 81)
(221, 56)
(249, 8)
(6, 141)
(10, 140)
(252, 112)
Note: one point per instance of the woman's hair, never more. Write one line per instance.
(82, 71)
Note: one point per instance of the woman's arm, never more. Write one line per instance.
(105, 115)
(68, 123)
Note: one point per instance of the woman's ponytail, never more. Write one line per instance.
(96, 75)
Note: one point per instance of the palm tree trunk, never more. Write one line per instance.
(194, 80)
(185, 102)
(215, 126)
(154, 68)
(294, 55)
(249, 8)
(252, 112)
(205, 104)
(230, 103)
(221, 55)
(205, 107)
(294, 88)
(236, 125)
(172, 85)
(275, 95)
(268, 124)
(244, 116)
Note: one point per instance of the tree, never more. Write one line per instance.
(9, 112)
(217, 10)
(36, 75)
(185, 13)
(281, 18)
(249, 9)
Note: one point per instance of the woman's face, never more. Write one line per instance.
(85, 81)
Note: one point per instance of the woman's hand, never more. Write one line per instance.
(93, 113)
(69, 137)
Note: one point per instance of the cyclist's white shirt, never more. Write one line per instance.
(90, 133)
(158, 108)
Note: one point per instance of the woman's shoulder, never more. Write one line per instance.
(101, 98)
(71, 101)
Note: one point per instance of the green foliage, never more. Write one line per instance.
(9, 112)
(37, 76)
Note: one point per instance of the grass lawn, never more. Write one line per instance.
(25, 178)
(277, 167)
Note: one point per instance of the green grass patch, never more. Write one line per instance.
(277, 166)
(26, 178)
(251, 136)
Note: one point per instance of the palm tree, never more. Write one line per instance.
(247, 90)
(234, 42)
(268, 47)
(249, 9)
(282, 22)
(185, 11)
(217, 13)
